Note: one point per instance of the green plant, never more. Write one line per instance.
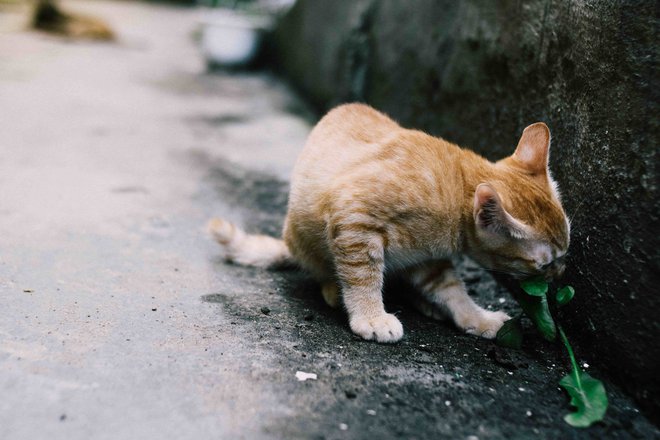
(587, 394)
(535, 305)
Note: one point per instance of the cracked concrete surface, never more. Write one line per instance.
(119, 320)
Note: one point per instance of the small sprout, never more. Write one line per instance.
(510, 335)
(587, 394)
(536, 286)
(565, 295)
(537, 309)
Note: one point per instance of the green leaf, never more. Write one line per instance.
(535, 286)
(510, 334)
(588, 396)
(536, 307)
(565, 295)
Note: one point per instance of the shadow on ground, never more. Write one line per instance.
(435, 383)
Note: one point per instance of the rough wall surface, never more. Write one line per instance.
(477, 73)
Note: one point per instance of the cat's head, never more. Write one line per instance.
(520, 226)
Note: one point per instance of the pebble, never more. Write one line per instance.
(265, 310)
(302, 376)
(343, 426)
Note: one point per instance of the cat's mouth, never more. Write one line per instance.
(547, 277)
(550, 272)
(554, 270)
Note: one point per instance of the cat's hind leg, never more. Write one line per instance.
(330, 291)
(311, 259)
(443, 292)
(360, 262)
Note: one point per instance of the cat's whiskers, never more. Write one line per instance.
(572, 216)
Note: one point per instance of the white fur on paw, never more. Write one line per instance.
(482, 323)
(382, 328)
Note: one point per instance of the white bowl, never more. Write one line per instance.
(229, 38)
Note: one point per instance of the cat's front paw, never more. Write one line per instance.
(382, 328)
(482, 323)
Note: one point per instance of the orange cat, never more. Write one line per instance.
(368, 196)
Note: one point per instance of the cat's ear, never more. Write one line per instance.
(491, 217)
(533, 149)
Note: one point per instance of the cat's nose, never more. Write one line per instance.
(555, 270)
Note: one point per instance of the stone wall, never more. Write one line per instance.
(478, 72)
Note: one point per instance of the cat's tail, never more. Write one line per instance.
(248, 249)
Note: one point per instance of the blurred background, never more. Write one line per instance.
(125, 125)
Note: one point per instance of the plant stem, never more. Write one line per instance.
(571, 355)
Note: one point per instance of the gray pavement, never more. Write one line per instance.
(120, 321)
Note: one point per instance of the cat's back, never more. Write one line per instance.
(349, 129)
(347, 136)
(358, 122)
(358, 137)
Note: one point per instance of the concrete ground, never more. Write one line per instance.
(120, 321)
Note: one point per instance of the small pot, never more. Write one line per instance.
(231, 39)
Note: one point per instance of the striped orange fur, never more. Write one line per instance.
(368, 196)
